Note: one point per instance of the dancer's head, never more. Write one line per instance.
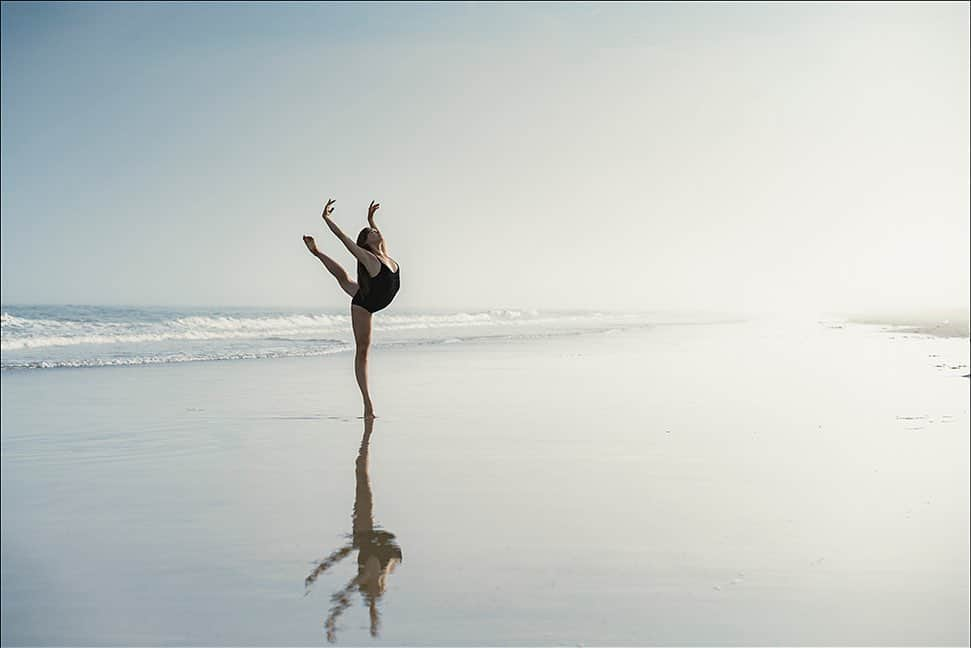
(370, 239)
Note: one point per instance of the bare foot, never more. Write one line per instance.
(310, 243)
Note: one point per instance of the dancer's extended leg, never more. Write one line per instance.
(348, 285)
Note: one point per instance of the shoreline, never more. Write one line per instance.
(915, 328)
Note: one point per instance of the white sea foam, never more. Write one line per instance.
(27, 333)
(78, 336)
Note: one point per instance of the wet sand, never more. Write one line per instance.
(953, 323)
(747, 483)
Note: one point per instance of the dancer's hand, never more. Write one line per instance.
(328, 209)
(310, 243)
(373, 208)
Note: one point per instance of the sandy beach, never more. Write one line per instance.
(705, 484)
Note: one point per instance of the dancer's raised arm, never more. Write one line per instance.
(370, 214)
(383, 243)
(366, 257)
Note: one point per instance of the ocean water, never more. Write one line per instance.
(42, 337)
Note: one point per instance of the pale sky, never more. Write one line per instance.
(631, 157)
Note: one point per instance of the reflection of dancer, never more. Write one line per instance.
(377, 284)
(378, 552)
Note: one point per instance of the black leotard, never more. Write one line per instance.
(383, 287)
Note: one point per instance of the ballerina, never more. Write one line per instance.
(376, 286)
